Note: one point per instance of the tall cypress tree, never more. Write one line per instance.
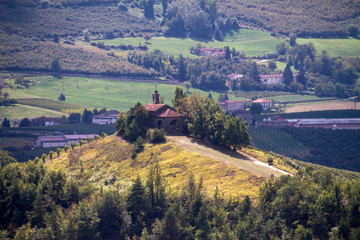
(254, 73)
(288, 75)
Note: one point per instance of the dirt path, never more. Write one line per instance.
(238, 159)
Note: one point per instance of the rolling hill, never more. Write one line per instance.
(108, 162)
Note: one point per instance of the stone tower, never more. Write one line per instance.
(156, 97)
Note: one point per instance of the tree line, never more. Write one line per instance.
(36, 202)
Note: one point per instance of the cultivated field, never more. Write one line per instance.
(321, 106)
(346, 48)
(252, 42)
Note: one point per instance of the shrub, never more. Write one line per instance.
(123, 7)
(66, 148)
(270, 160)
(89, 139)
(157, 135)
(138, 147)
(82, 142)
(104, 134)
(97, 137)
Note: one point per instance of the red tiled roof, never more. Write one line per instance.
(235, 101)
(170, 113)
(153, 107)
(261, 100)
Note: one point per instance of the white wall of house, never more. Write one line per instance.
(104, 120)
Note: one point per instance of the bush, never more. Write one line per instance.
(270, 160)
(138, 147)
(122, 7)
(157, 135)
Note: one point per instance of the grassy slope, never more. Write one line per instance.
(107, 162)
(20, 111)
(92, 93)
(252, 42)
(346, 48)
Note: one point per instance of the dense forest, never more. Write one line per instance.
(36, 202)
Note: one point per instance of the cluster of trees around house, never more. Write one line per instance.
(204, 119)
(36, 202)
(329, 76)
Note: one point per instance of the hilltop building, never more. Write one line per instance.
(164, 116)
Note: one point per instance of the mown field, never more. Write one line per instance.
(346, 48)
(322, 106)
(252, 42)
(20, 111)
(90, 93)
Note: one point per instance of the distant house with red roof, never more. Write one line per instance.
(108, 117)
(212, 52)
(164, 116)
(265, 103)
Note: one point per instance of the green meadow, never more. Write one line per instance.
(252, 42)
(346, 48)
(90, 93)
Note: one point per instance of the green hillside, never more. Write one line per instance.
(316, 18)
(252, 42)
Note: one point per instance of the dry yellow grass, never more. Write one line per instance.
(321, 106)
(107, 162)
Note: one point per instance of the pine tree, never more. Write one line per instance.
(288, 75)
(300, 78)
(5, 123)
(135, 200)
(181, 68)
